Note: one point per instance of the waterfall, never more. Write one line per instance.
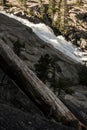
(45, 33)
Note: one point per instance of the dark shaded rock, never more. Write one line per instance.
(18, 112)
(29, 116)
(15, 119)
(77, 102)
(12, 31)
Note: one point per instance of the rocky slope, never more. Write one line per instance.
(16, 110)
(14, 103)
(32, 48)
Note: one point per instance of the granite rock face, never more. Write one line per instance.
(31, 48)
(16, 110)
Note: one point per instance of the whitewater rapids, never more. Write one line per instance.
(46, 34)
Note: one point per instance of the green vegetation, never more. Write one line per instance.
(22, 2)
(42, 67)
(17, 46)
(42, 9)
(3, 2)
(64, 84)
(30, 11)
(56, 12)
(79, 2)
(6, 3)
(46, 71)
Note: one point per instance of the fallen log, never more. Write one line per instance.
(78, 112)
(28, 82)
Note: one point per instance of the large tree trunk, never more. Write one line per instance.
(33, 87)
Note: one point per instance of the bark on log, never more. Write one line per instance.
(33, 87)
(79, 113)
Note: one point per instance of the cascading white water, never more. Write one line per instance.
(46, 34)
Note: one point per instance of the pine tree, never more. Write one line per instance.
(42, 67)
(22, 2)
(42, 8)
(52, 8)
(79, 2)
(59, 14)
(64, 14)
(58, 11)
(3, 2)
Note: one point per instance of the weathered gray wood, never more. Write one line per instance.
(79, 112)
(33, 87)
